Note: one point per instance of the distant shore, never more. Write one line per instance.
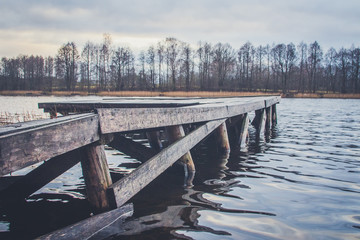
(180, 94)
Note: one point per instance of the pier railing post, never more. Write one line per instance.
(174, 133)
(222, 139)
(97, 176)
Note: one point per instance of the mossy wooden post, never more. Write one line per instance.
(222, 139)
(273, 115)
(259, 123)
(97, 176)
(244, 131)
(154, 141)
(175, 133)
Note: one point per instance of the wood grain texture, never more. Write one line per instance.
(121, 191)
(89, 227)
(128, 119)
(40, 176)
(97, 176)
(32, 143)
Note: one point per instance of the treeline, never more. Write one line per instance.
(175, 65)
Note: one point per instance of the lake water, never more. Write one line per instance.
(302, 184)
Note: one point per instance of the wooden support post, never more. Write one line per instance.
(222, 139)
(273, 115)
(154, 140)
(244, 132)
(175, 133)
(97, 176)
(259, 123)
(268, 122)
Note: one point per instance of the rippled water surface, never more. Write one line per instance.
(302, 184)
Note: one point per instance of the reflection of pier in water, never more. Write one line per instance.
(86, 126)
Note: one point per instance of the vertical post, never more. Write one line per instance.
(222, 139)
(268, 119)
(174, 133)
(97, 176)
(268, 124)
(259, 122)
(154, 141)
(244, 131)
(273, 115)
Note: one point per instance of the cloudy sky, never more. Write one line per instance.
(42, 26)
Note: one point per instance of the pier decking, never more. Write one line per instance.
(79, 135)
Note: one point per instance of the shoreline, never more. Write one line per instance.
(180, 94)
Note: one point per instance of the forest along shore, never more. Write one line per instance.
(181, 94)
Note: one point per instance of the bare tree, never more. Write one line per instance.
(314, 59)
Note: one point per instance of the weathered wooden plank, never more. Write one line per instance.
(132, 148)
(31, 145)
(40, 176)
(89, 227)
(128, 119)
(22, 126)
(121, 191)
(97, 176)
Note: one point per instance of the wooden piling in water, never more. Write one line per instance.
(222, 139)
(97, 176)
(273, 115)
(244, 131)
(175, 133)
(154, 140)
(259, 123)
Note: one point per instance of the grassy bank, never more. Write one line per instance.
(179, 94)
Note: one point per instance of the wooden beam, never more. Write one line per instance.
(131, 148)
(89, 227)
(97, 176)
(129, 119)
(42, 175)
(40, 141)
(121, 191)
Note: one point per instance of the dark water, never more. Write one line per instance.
(302, 184)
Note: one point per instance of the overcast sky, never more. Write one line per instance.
(40, 27)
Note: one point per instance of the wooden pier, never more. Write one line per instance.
(78, 131)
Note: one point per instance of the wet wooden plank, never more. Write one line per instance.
(89, 227)
(27, 146)
(121, 191)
